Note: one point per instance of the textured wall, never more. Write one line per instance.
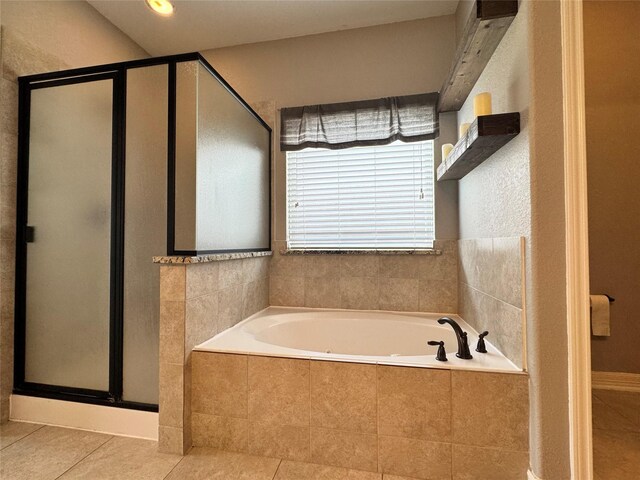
(39, 37)
(546, 277)
(494, 198)
(73, 31)
(612, 75)
(519, 192)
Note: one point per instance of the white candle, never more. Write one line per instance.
(446, 150)
(482, 104)
(463, 129)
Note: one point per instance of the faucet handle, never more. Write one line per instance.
(482, 348)
(441, 356)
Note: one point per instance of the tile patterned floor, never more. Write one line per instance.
(616, 435)
(37, 452)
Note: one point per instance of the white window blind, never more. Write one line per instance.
(378, 197)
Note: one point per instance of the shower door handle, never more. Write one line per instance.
(29, 234)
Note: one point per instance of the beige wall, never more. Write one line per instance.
(39, 37)
(546, 288)
(73, 31)
(386, 60)
(519, 192)
(463, 11)
(612, 75)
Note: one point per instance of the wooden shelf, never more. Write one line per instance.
(486, 26)
(486, 135)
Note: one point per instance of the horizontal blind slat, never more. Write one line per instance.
(363, 197)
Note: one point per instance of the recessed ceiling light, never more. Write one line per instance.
(161, 7)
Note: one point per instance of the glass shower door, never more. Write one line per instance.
(68, 237)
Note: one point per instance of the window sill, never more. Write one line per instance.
(431, 251)
(215, 257)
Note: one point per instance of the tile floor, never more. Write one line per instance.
(616, 435)
(37, 452)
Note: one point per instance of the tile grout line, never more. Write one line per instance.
(310, 383)
(377, 368)
(86, 456)
(504, 302)
(613, 408)
(451, 417)
(22, 438)
(275, 474)
(174, 467)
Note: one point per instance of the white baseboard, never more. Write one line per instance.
(83, 416)
(532, 476)
(627, 382)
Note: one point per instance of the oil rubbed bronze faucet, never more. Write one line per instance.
(463, 344)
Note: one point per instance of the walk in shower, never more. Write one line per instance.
(119, 163)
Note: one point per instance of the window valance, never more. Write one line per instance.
(410, 118)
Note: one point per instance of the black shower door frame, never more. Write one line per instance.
(112, 397)
(118, 73)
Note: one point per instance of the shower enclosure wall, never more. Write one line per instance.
(119, 163)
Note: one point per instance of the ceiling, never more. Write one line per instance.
(202, 25)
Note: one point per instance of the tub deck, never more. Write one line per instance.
(370, 337)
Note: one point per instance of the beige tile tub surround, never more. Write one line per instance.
(343, 396)
(198, 300)
(491, 291)
(415, 283)
(488, 410)
(411, 422)
(413, 403)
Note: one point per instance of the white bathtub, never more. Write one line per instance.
(388, 338)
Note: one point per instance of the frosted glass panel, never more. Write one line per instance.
(67, 295)
(232, 204)
(185, 178)
(145, 228)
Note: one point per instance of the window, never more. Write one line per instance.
(361, 198)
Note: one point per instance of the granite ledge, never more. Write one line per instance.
(431, 251)
(217, 257)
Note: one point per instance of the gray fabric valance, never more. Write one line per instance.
(410, 118)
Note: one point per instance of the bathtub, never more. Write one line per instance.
(385, 338)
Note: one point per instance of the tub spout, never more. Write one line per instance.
(463, 343)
